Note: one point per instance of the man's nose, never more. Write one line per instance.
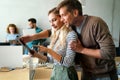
(62, 19)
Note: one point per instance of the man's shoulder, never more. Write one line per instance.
(38, 29)
(94, 18)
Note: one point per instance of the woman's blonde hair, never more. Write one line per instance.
(60, 34)
(14, 26)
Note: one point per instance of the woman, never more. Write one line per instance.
(59, 52)
(12, 33)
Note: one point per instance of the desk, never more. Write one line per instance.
(18, 74)
(41, 73)
(44, 73)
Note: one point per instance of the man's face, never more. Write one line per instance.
(66, 16)
(32, 25)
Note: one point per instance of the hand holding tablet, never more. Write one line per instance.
(30, 50)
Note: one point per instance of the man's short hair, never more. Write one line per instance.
(33, 20)
(71, 5)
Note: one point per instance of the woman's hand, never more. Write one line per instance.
(25, 39)
(41, 48)
(33, 53)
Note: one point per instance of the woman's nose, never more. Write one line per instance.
(52, 24)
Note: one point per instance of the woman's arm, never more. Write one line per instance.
(51, 52)
(41, 35)
(66, 60)
(40, 56)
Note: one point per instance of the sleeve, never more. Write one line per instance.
(104, 39)
(68, 60)
(49, 32)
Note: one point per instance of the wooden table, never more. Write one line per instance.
(41, 73)
(44, 73)
(18, 74)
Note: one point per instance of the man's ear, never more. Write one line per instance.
(75, 12)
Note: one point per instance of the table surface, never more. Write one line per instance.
(41, 73)
(18, 74)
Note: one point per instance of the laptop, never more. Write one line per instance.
(4, 43)
(11, 56)
(28, 31)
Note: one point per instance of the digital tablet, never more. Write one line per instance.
(21, 42)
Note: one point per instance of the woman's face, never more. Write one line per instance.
(55, 21)
(12, 30)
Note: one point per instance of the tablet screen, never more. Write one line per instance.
(21, 42)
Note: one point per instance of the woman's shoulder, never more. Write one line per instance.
(72, 35)
(8, 34)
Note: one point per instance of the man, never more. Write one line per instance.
(32, 25)
(95, 44)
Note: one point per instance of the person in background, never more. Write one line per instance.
(59, 52)
(95, 44)
(12, 34)
(32, 24)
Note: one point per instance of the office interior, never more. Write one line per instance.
(19, 11)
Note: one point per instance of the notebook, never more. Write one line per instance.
(11, 56)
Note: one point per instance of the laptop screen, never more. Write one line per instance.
(11, 56)
(28, 31)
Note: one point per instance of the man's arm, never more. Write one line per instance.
(103, 38)
(77, 47)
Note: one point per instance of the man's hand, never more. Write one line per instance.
(76, 46)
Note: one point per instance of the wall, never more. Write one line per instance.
(116, 23)
(18, 12)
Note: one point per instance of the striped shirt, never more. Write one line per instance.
(67, 54)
